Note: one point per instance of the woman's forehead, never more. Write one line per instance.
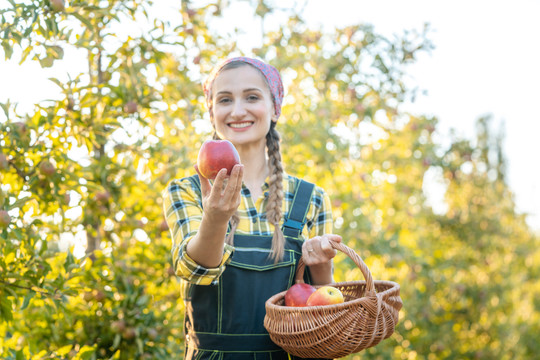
(240, 78)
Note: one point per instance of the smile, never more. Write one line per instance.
(239, 125)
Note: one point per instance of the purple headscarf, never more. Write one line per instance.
(269, 72)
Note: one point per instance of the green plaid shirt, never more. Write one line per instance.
(183, 209)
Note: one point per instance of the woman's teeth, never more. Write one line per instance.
(240, 125)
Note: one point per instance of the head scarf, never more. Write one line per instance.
(269, 72)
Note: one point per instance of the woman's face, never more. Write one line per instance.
(242, 106)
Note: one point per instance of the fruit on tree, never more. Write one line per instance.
(129, 333)
(298, 294)
(215, 155)
(3, 162)
(103, 196)
(118, 326)
(325, 295)
(152, 333)
(5, 219)
(19, 128)
(58, 5)
(47, 169)
(131, 107)
(99, 296)
(163, 226)
(88, 296)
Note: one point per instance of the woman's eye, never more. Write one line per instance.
(224, 100)
(253, 98)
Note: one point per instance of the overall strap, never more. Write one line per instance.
(296, 219)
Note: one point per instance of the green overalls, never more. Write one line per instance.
(225, 321)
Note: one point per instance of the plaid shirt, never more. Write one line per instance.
(183, 209)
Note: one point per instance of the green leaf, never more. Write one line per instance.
(86, 353)
(27, 299)
(6, 309)
(46, 62)
(84, 20)
(116, 342)
(20, 202)
(8, 50)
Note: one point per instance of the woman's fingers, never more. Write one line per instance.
(205, 184)
(326, 247)
(223, 195)
(234, 185)
(318, 250)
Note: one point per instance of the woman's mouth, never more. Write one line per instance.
(240, 125)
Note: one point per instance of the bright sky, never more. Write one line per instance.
(485, 61)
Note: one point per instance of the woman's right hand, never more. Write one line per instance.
(221, 200)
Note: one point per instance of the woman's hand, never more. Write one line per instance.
(317, 253)
(221, 200)
(318, 250)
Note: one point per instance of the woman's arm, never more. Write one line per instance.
(317, 253)
(220, 202)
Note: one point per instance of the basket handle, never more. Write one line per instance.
(299, 278)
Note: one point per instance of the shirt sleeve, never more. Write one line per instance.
(182, 206)
(320, 219)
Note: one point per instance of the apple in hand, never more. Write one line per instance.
(298, 294)
(215, 155)
(325, 295)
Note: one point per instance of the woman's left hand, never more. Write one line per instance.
(318, 250)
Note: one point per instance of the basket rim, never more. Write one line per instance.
(271, 302)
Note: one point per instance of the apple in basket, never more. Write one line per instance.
(215, 155)
(298, 294)
(325, 295)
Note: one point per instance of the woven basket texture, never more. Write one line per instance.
(369, 315)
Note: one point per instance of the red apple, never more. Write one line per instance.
(3, 162)
(298, 294)
(215, 155)
(326, 295)
(47, 169)
(164, 226)
(118, 326)
(58, 5)
(129, 333)
(131, 107)
(5, 219)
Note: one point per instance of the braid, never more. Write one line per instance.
(275, 199)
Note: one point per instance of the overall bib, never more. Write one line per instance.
(225, 321)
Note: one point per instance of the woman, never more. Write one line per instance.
(236, 240)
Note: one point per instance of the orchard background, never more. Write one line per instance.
(90, 168)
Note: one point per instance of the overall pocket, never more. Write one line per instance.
(250, 279)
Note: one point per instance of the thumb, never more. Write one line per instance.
(205, 183)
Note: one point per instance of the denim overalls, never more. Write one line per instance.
(225, 321)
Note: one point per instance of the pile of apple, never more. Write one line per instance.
(301, 294)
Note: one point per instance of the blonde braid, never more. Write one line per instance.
(275, 197)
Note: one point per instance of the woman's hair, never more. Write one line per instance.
(274, 205)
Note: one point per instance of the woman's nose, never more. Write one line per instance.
(238, 110)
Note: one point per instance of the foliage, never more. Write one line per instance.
(87, 171)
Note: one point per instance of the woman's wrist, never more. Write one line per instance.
(323, 273)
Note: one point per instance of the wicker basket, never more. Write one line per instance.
(368, 316)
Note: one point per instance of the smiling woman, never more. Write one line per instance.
(241, 236)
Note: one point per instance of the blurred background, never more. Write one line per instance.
(417, 118)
